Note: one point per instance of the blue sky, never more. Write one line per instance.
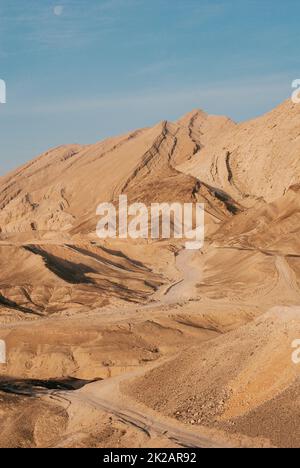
(80, 70)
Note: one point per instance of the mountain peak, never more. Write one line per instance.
(190, 116)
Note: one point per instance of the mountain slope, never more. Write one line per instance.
(255, 159)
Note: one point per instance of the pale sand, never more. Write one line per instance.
(194, 347)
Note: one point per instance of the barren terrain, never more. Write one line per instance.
(141, 343)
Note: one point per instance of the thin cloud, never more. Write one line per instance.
(37, 27)
(244, 94)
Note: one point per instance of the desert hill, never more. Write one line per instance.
(240, 172)
(225, 381)
(203, 337)
(254, 160)
(60, 190)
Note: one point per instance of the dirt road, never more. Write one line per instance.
(106, 396)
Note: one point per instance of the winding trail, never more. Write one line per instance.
(191, 270)
(106, 396)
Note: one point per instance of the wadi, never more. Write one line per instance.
(137, 341)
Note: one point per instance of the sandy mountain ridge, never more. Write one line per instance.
(228, 166)
(60, 189)
(234, 305)
(255, 159)
(53, 199)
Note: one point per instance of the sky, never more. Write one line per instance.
(78, 71)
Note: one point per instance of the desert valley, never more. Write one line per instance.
(140, 342)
